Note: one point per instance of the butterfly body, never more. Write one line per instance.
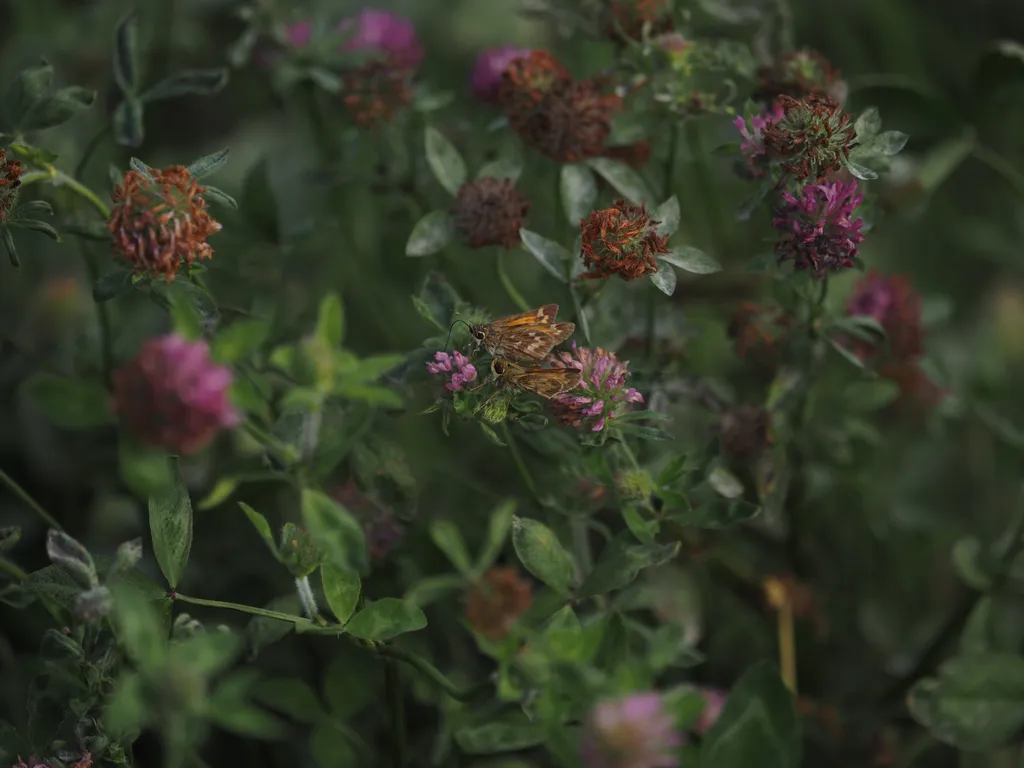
(528, 336)
(546, 382)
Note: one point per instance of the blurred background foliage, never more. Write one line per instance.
(885, 524)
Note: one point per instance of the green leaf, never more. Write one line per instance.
(199, 82)
(978, 636)
(330, 321)
(37, 226)
(490, 738)
(209, 164)
(551, 255)
(10, 535)
(126, 54)
(621, 562)
(972, 564)
(385, 619)
(715, 513)
(185, 317)
(228, 707)
(870, 396)
(27, 90)
(725, 482)
(444, 160)
(220, 197)
(502, 168)
(12, 251)
(125, 712)
(665, 279)
(497, 532)
(112, 284)
(221, 492)
(259, 522)
(259, 202)
(446, 535)
(578, 189)
(563, 637)
(147, 471)
(69, 555)
(940, 162)
(170, 524)
(138, 629)
(758, 727)
(129, 123)
(262, 631)
(845, 353)
(667, 215)
(867, 125)
(542, 554)
(332, 748)
(69, 403)
(622, 178)
(57, 109)
(290, 697)
(338, 534)
(976, 703)
(206, 654)
(692, 259)
(238, 341)
(890, 142)
(341, 588)
(861, 171)
(430, 234)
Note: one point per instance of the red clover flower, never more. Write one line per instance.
(10, 180)
(628, 17)
(160, 220)
(817, 231)
(490, 67)
(462, 371)
(602, 390)
(893, 302)
(173, 396)
(752, 146)
(634, 731)
(384, 33)
(621, 240)
(812, 138)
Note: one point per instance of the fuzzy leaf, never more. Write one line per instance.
(341, 588)
(542, 554)
(667, 215)
(209, 164)
(665, 279)
(385, 619)
(129, 125)
(444, 160)
(867, 125)
(189, 82)
(692, 259)
(622, 178)
(430, 234)
(578, 189)
(126, 54)
(551, 255)
(170, 524)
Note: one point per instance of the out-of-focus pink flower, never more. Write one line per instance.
(490, 66)
(818, 231)
(387, 33)
(602, 390)
(173, 396)
(714, 702)
(462, 371)
(299, 34)
(630, 732)
(752, 146)
(893, 302)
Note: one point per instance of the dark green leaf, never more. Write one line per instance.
(491, 738)
(201, 82)
(206, 654)
(341, 588)
(338, 534)
(38, 226)
(444, 160)
(578, 189)
(209, 164)
(59, 108)
(758, 727)
(330, 320)
(448, 538)
(259, 522)
(497, 532)
(542, 554)
(385, 619)
(262, 631)
(220, 197)
(665, 279)
(69, 403)
(692, 259)
(551, 255)
(26, 92)
(976, 703)
(229, 708)
(170, 524)
(238, 341)
(621, 562)
(129, 123)
(845, 353)
(139, 631)
(290, 697)
(622, 178)
(126, 55)
(747, 207)
(972, 563)
(146, 471)
(714, 512)
(430, 234)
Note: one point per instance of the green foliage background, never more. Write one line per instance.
(884, 525)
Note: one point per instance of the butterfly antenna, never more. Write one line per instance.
(450, 332)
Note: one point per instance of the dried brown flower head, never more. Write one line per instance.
(812, 138)
(490, 212)
(528, 80)
(374, 92)
(798, 74)
(497, 601)
(744, 432)
(158, 221)
(621, 240)
(626, 18)
(636, 154)
(10, 180)
(757, 332)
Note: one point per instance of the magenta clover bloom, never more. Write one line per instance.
(602, 389)
(714, 702)
(462, 371)
(173, 396)
(752, 147)
(489, 68)
(384, 32)
(630, 732)
(817, 231)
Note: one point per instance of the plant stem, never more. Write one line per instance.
(431, 672)
(787, 646)
(510, 289)
(89, 150)
(296, 620)
(307, 598)
(517, 457)
(59, 178)
(393, 684)
(34, 505)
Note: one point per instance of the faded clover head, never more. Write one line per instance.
(634, 731)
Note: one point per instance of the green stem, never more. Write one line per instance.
(59, 178)
(287, 452)
(296, 620)
(517, 457)
(628, 452)
(510, 289)
(393, 684)
(431, 672)
(13, 569)
(89, 149)
(92, 267)
(34, 505)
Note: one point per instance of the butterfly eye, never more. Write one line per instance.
(478, 335)
(498, 368)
